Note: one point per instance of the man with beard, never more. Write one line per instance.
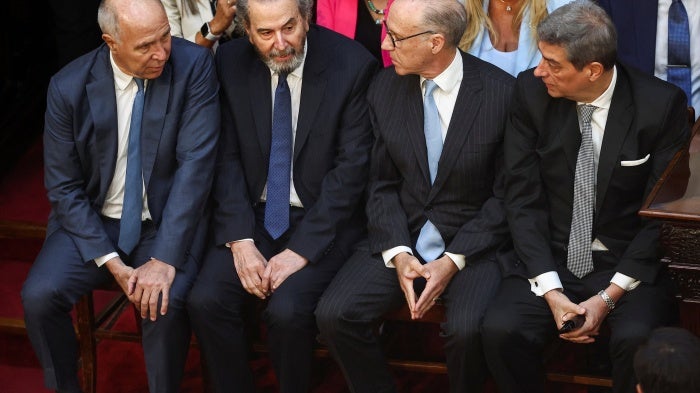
(291, 172)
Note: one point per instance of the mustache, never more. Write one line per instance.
(281, 53)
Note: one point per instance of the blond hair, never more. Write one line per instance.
(477, 19)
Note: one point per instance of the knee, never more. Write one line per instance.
(499, 329)
(625, 339)
(202, 302)
(462, 334)
(41, 297)
(285, 312)
(328, 316)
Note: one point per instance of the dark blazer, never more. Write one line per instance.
(179, 134)
(635, 22)
(465, 202)
(332, 143)
(647, 117)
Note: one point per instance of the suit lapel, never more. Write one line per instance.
(413, 122)
(155, 106)
(565, 121)
(616, 128)
(312, 91)
(467, 106)
(102, 101)
(259, 91)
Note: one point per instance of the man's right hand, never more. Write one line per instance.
(121, 273)
(250, 266)
(562, 308)
(408, 268)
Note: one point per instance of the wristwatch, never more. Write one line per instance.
(607, 299)
(206, 33)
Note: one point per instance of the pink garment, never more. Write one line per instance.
(341, 16)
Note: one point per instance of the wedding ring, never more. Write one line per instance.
(435, 299)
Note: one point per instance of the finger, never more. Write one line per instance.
(265, 279)
(165, 301)
(131, 284)
(153, 305)
(136, 297)
(144, 303)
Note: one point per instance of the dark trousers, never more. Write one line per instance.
(217, 302)
(365, 289)
(57, 280)
(518, 325)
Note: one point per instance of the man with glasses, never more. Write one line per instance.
(435, 209)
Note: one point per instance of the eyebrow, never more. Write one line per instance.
(264, 29)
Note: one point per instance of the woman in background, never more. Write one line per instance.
(205, 22)
(502, 32)
(361, 20)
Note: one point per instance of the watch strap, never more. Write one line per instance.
(206, 33)
(607, 299)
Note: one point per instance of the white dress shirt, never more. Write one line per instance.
(125, 89)
(692, 7)
(445, 96)
(547, 281)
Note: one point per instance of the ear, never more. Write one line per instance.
(437, 42)
(595, 70)
(110, 41)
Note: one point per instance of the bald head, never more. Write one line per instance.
(447, 17)
(114, 15)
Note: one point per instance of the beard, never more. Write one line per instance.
(283, 67)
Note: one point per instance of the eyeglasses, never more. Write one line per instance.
(395, 42)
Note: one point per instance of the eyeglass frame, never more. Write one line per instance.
(394, 41)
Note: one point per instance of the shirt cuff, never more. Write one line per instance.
(235, 241)
(389, 254)
(545, 282)
(459, 259)
(625, 282)
(103, 259)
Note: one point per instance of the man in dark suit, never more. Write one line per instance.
(586, 142)
(435, 205)
(290, 177)
(128, 172)
(643, 37)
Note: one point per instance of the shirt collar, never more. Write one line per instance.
(604, 100)
(121, 78)
(451, 77)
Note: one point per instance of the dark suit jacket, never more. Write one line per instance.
(635, 22)
(332, 144)
(465, 202)
(179, 134)
(647, 117)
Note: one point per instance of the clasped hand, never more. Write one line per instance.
(593, 309)
(259, 276)
(437, 274)
(145, 284)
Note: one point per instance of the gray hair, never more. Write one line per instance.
(243, 10)
(584, 30)
(447, 17)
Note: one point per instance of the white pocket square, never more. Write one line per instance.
(635, 162)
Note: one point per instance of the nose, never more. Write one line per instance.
(540, 71)
(160, 53)
(280, 42)
(386, 43)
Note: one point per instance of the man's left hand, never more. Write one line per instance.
(441, 272)
(147, 283)
(280, 267)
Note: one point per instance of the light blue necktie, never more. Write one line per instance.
(430, 244)
(130, 223)
(678, 68)
(277, 203)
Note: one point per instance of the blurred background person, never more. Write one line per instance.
(361, 20)
(503, 32)
(205, 22)
(668, 362)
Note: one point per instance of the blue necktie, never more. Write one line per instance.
(678, 68)
(430, 244)
(279, 172)
(130, 224)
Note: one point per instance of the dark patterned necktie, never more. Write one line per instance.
(130, 223)
(678, 68)
(279, 171)
(579, 255)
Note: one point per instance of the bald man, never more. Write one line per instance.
(129, 142)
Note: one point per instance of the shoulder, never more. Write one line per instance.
(554, 4)
(337, 48)
(647, 91)
(488, 73)
(185, 54)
